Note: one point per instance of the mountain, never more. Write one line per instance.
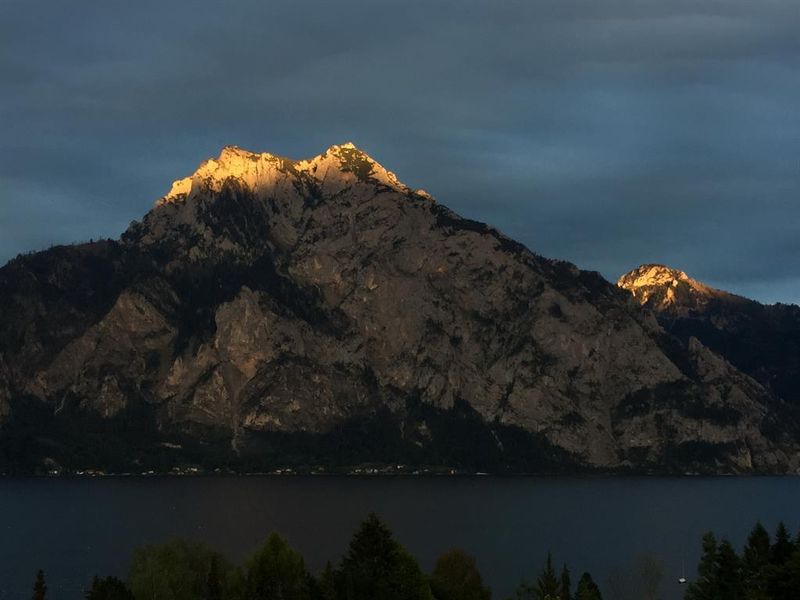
(317, 314)
(760, 340)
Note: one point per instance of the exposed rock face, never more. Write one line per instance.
(112, 359)
(270, 311)
(763, 341)
(669, 290)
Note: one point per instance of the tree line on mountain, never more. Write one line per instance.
(375, 566)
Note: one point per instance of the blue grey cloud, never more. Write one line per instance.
(608, 134)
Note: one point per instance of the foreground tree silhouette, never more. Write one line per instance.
(783, 547)
(176, 570)
(276, 571)
(547, 586)
(565, 584)
(783, 572)
(729, 573)
(720, 573)
(456, 577)
(755, 563)
(108, 588)
(39, 587)
(705, 586)
(377, 566)
(587, 589)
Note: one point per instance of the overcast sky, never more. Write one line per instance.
(607, 133)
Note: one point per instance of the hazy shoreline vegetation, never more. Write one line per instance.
(377, 567)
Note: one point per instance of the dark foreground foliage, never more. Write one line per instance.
(767, 569)
(377, 567)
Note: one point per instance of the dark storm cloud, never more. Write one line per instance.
(608, 133)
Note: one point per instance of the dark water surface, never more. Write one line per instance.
(75, 528)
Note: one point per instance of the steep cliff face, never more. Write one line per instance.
(270, 311)
(761, 340)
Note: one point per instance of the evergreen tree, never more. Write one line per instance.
(565, 584)
(276, 571)
(720, 573)
(729, 573)
(108, 588)
(779, 579)
(755, 563)
(39, 587)
(587, 589)
(456, 577)
(705, 586)
(377, 566)
(548, 587)
(783, 547)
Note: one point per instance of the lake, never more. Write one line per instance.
(75, 528)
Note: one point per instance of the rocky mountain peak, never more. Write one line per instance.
(650, 275)
(341, 166)
(253, 169)
(337, 168)
(661, 287)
